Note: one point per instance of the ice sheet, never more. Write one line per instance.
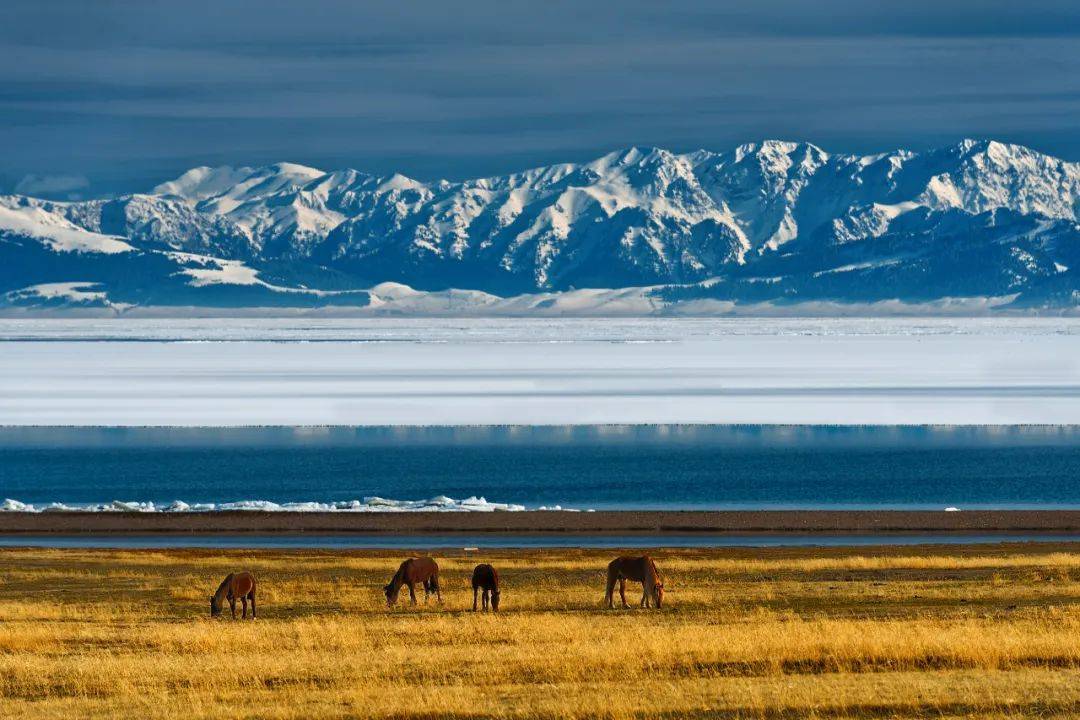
(440, 503)
(454, 372)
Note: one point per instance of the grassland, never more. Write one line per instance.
(892, 632)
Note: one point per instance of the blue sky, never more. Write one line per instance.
(113, 96)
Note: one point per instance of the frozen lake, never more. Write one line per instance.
(538, 371)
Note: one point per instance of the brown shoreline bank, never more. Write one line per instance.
(658, 523)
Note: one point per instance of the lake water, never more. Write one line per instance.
(460, 543)
(472, 414)
(582, 467)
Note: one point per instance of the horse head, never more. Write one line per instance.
(658, 593)
(391, 593)
(495, 600)
(215, 606)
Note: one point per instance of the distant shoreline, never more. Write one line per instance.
(657, 523)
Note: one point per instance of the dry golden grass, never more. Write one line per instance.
(892, 632)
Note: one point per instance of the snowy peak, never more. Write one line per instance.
(990, 175)
(777, 157)
(237, 184)
(760, 184)
(203, 182)
(260, 184)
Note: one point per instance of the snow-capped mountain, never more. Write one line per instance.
(771, 222)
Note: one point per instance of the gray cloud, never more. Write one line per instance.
(52, 186)
(130, 93)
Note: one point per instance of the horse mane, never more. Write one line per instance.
(399, 577)
(223, 588)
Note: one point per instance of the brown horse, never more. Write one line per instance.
(486, 578)
(414, 570)
(235, 585)
(639, 569)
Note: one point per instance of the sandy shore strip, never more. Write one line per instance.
(536, 522)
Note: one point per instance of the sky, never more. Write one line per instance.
(114, 96)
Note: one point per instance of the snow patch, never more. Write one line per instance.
(222, 272)
(72, 292)
(56, 232)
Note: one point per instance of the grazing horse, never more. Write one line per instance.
(639, 569)
(235, 585)
(414, 570)
(486, 578)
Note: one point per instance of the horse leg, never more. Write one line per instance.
(232, 606)
(622, 592)
(609, 595)
(243, 602)
(644, 596)
(252, 596)
(487, 598)
(412, 593)
(474, 592)
(438, 589)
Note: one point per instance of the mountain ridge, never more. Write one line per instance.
(775, 222)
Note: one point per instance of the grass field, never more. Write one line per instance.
(987, 631)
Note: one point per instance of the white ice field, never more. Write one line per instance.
(298, 371)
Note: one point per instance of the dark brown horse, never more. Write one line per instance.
(486, 578)
(639, 569)
(414, 570)
(235, 585)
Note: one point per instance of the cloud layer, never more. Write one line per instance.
(50, 186)
(131, 93)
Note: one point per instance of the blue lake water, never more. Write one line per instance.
(600, 467)
(466, 542)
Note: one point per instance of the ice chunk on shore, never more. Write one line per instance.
(439, 503)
